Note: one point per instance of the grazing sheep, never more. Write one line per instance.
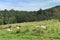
(8, 29)
(18, 27)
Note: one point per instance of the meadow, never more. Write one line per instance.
(25, 32)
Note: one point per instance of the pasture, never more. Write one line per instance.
(25, 32)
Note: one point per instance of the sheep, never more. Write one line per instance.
(8, 29)
(18, 27)
(40, 29)
(43, 27)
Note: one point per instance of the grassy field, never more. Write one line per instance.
(26, 31)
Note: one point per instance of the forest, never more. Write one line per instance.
(16, 16)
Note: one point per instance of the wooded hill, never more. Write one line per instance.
(14, 16)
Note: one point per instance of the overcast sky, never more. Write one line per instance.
(28, 5)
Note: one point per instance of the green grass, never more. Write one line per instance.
(52, 32)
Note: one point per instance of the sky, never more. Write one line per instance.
(28, 5)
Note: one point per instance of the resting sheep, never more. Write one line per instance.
(40, 29)
(8, 28)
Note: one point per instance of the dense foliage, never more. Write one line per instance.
(14, 16)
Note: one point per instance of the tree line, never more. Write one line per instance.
(15, 16)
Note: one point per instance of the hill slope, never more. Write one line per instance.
(27, 33)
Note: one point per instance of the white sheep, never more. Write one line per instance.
(8, 29)
(17, 27)
(44, 27)
(40, 29)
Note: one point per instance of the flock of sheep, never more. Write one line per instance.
(37, 28)
(9, 28)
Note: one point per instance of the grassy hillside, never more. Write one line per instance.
(26, 31)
